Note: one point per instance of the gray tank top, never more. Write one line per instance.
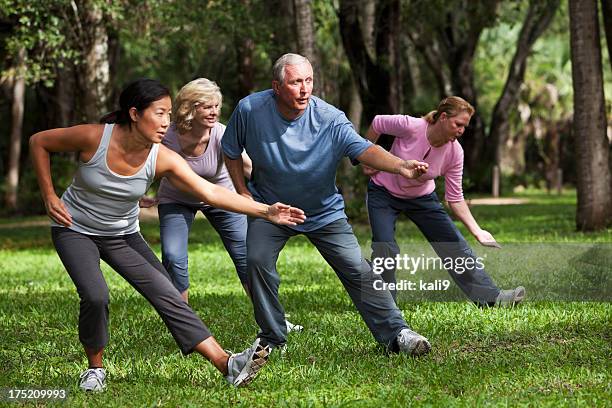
(105, 203)
(209, 165)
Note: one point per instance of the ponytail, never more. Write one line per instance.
(117, 117)
(432, 117)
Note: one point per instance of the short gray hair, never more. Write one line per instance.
(278, 69)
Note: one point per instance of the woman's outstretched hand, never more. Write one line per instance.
(412, 169)
(284, 214)
(486, 239)
(57, 211)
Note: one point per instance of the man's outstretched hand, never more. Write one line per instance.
(284, 214)
(412, 169)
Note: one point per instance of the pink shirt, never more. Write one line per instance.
(411, 143)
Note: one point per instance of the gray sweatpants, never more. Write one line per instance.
(132, 258)
(338, 245)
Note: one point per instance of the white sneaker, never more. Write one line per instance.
(93, 379)
(243, 367)
(293, 327)
(412, 343)
(510, 297)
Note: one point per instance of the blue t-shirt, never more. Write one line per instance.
(295, 161)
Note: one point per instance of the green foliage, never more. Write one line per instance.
(182, 40)
(39, 28)
(50, 32)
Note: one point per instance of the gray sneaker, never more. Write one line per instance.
(93, 379)
(510, 297)
(412, 343)
(243, 367)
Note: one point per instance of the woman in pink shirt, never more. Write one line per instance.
(431, 139)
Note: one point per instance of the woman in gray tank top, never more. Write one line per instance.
(196, 135)
(97, 218)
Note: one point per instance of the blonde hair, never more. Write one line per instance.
(452, 106)
(196, 92)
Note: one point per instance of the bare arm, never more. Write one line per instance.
(380, 159)
(172, 166)
(372, 136)
(235, 168)
(83, 139)
(462, 211)
(247, 165)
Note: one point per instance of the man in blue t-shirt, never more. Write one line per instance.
(296, 141)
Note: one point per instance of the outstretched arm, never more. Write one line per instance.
(372, 136)
(172, 166)
(380, 159)
(462, 211)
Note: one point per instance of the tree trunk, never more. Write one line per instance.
(412, 74)
(94, 74)
(114, 59)
(246, 72)
(473, 140)
(368, 23)
(539, 15)
(355, 107)
(304, 27)
(589, 125)
(305, 34)
(376, 77)
(430, 50)
(59, 100)
(18, 100)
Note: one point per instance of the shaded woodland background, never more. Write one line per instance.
(537, 71)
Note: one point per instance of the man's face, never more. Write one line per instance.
(294, 93)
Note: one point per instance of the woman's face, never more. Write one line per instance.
(153, 122)
(454, 126)
(207, 113)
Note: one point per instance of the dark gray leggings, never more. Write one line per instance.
(130, 256)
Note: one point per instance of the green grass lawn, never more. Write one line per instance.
(543, 353)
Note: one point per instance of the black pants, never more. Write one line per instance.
(132, 258)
